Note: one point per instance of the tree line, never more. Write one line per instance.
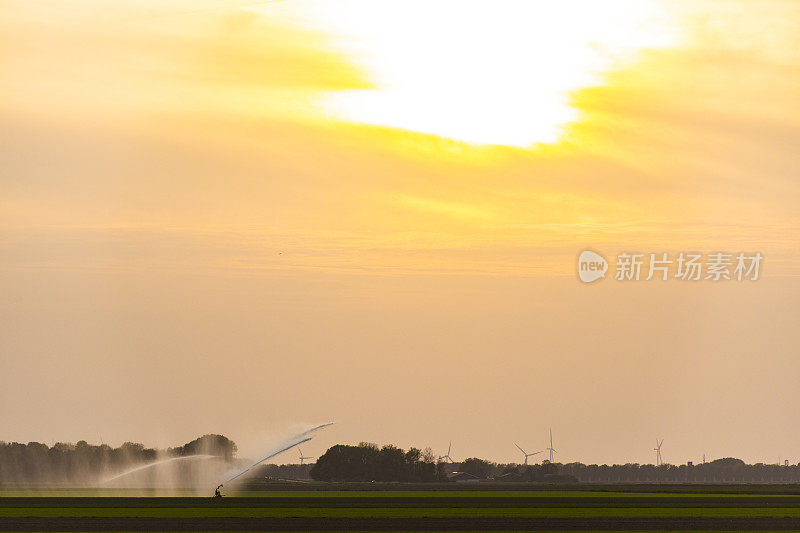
(726, 470)
(83, 463)
(368, 462)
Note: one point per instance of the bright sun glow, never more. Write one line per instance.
(481, 71)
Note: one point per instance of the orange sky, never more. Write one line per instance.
(241, 219)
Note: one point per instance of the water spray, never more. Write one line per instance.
(156, 463)
(291, 443)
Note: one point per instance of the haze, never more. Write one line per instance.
(243, 218)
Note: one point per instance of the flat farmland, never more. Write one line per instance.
(480, 507)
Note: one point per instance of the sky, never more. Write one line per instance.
(247, 217)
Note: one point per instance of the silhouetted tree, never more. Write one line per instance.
(366, 462)
(477, 467)
(218, 445)
(82, 462)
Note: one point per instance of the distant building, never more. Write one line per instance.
(462, 477)
(509, 476)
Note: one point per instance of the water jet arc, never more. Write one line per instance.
(156, 463)
(296, 440)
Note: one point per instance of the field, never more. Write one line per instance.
(375, 507)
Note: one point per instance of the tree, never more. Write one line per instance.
(366, 462)
(391, 464)
(428, 456)
(477, 467)
(218, 445)
(346, 463)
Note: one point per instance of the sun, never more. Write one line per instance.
(481, 71)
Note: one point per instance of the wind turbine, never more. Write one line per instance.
(657, 449)
(302, 457)
(526, 453)
(447, 456)
(552, 451)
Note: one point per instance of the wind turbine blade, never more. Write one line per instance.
(520, 449)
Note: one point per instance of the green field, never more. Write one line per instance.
(410, 508)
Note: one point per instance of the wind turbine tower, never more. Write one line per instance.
(551, 449)
(526, 453)
(302, 457)
(657, 449)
